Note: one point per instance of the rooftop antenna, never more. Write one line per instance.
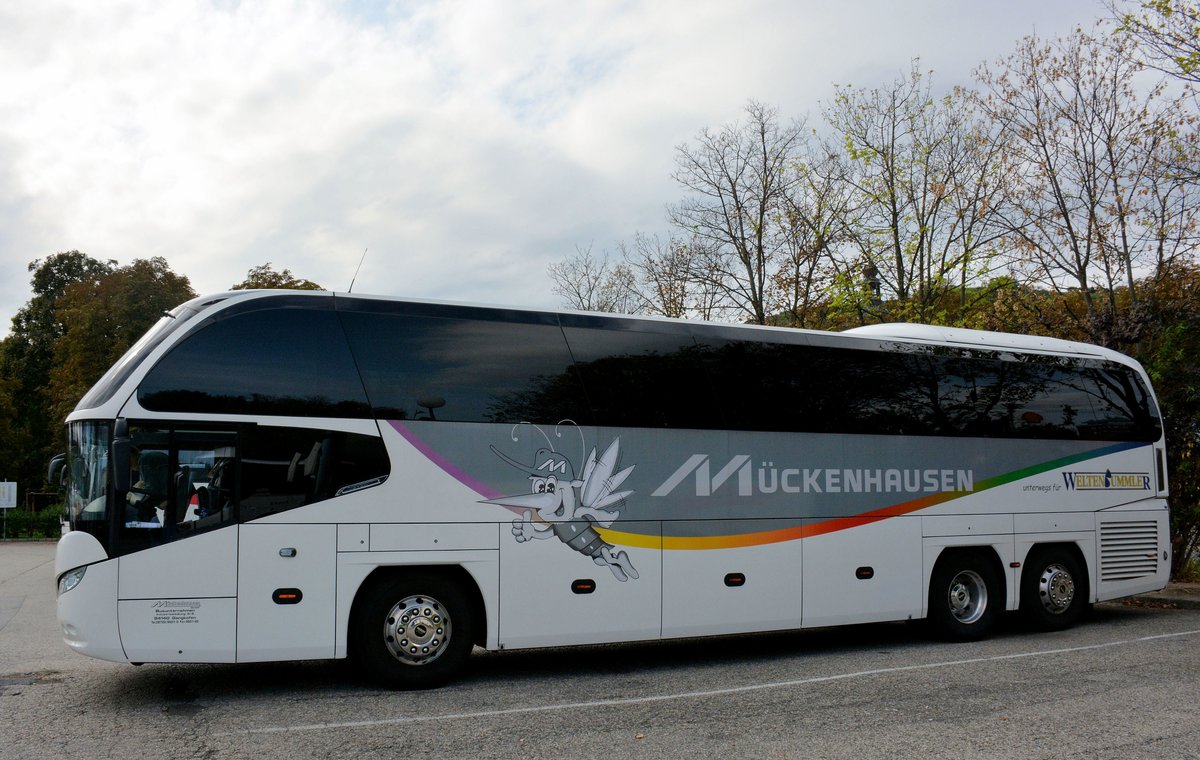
(355, 277)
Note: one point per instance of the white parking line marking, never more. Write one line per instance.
(695, 694)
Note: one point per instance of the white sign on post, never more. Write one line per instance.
(8, 495)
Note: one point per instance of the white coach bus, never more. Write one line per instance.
(276, 475)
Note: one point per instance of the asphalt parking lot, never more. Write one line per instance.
(1125, 684)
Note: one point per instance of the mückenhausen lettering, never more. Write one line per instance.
(740, 473)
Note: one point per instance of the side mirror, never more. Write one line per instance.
(56, 472)
(431, 403)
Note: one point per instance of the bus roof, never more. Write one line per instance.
(898, 331)
(984, 339)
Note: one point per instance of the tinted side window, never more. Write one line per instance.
(922, 391)
(639, 378)
(184, 482)
(873, 392)
(985, 396)
(467, 370)
(1121, 407)
(181, 483)
(818, 389)
(292, 362)
(285, 468)
(762, 386)
(1027, 396)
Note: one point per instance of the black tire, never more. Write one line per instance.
(965, 597)
(1054, 589)
(413, 631)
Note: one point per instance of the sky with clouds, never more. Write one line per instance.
(467, 144)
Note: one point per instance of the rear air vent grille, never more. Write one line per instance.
(1128, 550)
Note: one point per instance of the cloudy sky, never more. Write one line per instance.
(467, 144)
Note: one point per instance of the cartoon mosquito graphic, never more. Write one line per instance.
(561, 505)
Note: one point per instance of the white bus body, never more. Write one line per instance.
(282, 476)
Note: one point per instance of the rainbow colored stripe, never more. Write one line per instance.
(834, 524)
(759, 538)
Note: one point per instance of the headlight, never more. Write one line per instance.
(70, 579)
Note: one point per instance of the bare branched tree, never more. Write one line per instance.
(739, 180)
(813, 227)
(594, 283)
(925, 191)
(664, 269)
(1165, 32)
(1092, 206)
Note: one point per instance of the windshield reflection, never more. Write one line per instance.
(87, 487)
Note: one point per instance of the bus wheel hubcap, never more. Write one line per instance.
(416, 630)
(1056, 589)
(967, 596)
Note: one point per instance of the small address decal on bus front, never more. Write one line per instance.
(175, 613)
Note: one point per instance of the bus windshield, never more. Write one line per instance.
(87, 495)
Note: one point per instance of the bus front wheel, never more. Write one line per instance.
(1053, 590)
(965, 597)
(413, 631)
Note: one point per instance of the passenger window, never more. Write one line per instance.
(180, 483)
(640, 378)
(418, 367)
(975, 396)
(281, 361)
(148, 501)
(798, 387)
(1120, 408)
(204, 480)
(1041, 400)
(183, 482)
(762, 386)
(883, 392)
(285, 468)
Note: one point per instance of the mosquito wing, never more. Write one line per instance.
(600, 479)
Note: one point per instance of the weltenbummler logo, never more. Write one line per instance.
(1107, 481)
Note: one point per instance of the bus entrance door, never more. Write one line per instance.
(178, 540)
(176, 602)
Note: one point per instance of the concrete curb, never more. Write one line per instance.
(1183, 596)
(1164, 601)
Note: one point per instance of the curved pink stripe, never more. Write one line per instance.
(449, 467)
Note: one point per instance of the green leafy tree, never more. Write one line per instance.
(14, 437)
(1171, 355)
(29, 348)
(266, 277)
(102, 318)
(28, 431)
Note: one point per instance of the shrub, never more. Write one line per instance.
(21, 523)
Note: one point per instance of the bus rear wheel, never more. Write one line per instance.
(1053, 590)
(413, 631)
(965, 597)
